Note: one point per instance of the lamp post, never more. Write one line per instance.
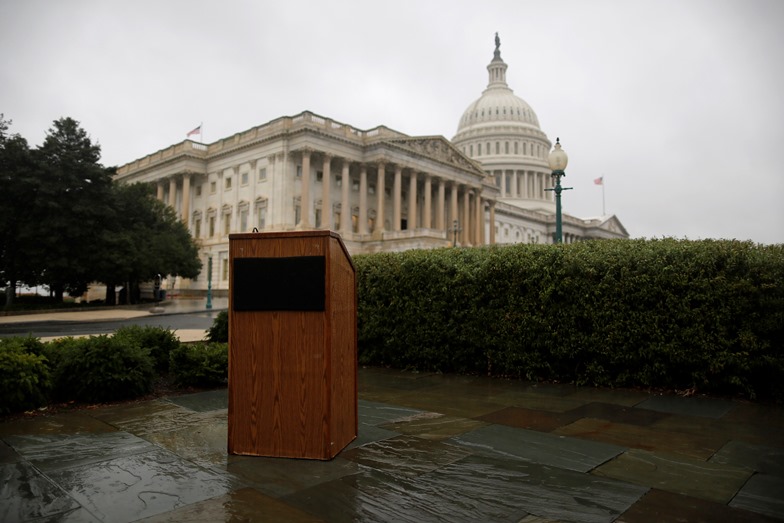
(209, 282)
(557, 161)
(455, 229)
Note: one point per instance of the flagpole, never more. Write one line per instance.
(604, 212)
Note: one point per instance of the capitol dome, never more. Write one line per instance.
(501, 132)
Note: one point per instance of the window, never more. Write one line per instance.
(228, 182)
(244, 219)
(299, 171)
(197, 228)
(224, 269)
(339, 182)
(318, 217)
(371, 189)
(263, 174)
(319, 175)
(497, 148)
(506, 147)
(261, 214)
(212, 226)
(213, 187)
(297, 213)
(471, 148)
(515, 148)
(226, 224)
(244, 179)
(355, 185)
(198, 190)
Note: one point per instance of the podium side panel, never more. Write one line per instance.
(343, 321)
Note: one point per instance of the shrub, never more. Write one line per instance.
(219, 332)
(158, 340)
(101, 368)
(653, 313)
(200, 364)
(24, 374)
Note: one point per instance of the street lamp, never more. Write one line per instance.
(455, 229)
(209, 282)
(557, 161)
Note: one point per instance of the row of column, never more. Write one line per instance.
(525, 184)
(470, 218)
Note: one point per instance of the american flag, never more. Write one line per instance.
(599, 180)
(195, 131)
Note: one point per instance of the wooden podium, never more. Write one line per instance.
(292, 345)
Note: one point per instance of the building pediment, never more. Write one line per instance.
(439, 148)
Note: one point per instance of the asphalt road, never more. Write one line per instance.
(192, 320)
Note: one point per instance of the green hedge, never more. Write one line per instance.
(99, 369)
(200, 364)
(653, 313)
(24, 375)
(159, 341)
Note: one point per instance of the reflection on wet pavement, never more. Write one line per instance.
(430, 448)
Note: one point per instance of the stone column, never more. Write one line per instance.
(345, 204)
(412, 198)
(453, 205)
(492, 223)
(479, 219)
(380, 193)
(172, 192)
(440, 210)
(427, 219)
(503, 183)
(159, 195)
(397, 189)
(304, 214)
(326, 196)
(526, 193)
(467, 215)
(363, 214)
(515, 188)
(186, 199)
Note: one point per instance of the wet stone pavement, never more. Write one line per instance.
(430, 448)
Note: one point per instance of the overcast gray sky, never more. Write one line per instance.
(678, 104)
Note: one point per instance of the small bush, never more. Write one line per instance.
(24, 374)
(159, 341)
(219, 332)
(100, 368)
(200, 364)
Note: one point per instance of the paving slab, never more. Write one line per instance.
(433, 425)
(369, 434)
(763, 493)
(537, 447)
(128, 488)
(501, 490)
(246, 505)
(405, 455)
(760, 458)
(532, 419)
(204, 444)
(658, 506)
(203, 401)
(278, 477)
(26, 494)
(51, 452)
(677, 474)
(376, 413)
(76, 422)
(692, 406)
(617, 413)
(701, 446)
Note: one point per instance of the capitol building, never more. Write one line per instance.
(380, 189)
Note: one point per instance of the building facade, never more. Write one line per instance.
(382, 190)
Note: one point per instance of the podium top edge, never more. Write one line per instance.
(316, 233)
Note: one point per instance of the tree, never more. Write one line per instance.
(71, 208)
(18, 192)
(145, 238)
